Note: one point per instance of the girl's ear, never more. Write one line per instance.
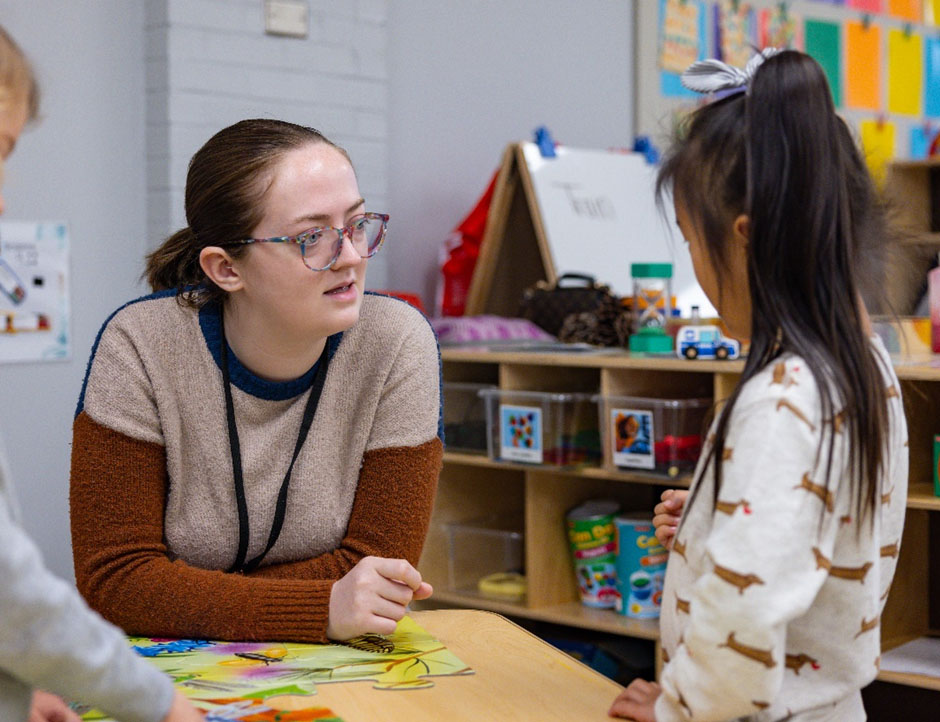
(741, 229)
(218, 266)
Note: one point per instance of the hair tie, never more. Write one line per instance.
(711, 76)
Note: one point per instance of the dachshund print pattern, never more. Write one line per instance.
(778, 582)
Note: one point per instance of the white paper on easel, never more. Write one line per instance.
(921, 656)
(599, 214)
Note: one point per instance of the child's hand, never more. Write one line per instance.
(636, 701)
(667, 513)
(182, 710)
(373, 596)
(47, 707)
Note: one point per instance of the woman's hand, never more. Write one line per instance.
(47, 707)
(373, 596)
(667, 513)
(182, 710)
(636, 702)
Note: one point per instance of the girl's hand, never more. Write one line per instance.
(183, 711)
(667, 513)
(47, 707)
(373, 596)
(636, 701)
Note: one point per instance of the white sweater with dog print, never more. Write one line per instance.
(773, 595)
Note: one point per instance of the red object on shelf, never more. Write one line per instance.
(463, 248)
(678, 448)
(412, 298)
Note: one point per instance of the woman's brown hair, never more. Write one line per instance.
(225, 186)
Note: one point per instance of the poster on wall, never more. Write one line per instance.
(34, 291)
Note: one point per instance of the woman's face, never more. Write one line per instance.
(12, 119)
(312, 186)
(728, 291)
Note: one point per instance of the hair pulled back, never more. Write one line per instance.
(780, 155)
(225, 188)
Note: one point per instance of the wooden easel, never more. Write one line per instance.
(514, 253)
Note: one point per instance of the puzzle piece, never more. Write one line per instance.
(256, 681)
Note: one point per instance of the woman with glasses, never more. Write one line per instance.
(257, 443)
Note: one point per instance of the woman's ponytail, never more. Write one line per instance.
(175, 264)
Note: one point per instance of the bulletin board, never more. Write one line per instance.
(882, 58)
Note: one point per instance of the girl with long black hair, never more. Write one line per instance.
(788, 540)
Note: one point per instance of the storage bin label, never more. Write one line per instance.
(631, 434)
(520, 433)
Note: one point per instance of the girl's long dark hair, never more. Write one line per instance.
(780, 155)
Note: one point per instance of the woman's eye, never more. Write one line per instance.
(308, 238)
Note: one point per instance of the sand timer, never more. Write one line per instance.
(652, 307)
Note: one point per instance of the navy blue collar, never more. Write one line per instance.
(245, 379)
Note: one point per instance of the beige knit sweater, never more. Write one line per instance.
(154, 516)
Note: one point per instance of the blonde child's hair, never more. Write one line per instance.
(17, 79)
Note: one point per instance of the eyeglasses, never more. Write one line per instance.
(320, 248)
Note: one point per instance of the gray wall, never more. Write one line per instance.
(82, 163)
(467, 78)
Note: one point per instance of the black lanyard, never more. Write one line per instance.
(313, 400)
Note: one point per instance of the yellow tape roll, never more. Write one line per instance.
(503, 585)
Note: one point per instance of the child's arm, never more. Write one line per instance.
(768, 532)
(51, 640)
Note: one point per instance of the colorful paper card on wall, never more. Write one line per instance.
(905, 73)
(779, 28)
(682, 41)
(909, 10)
(878, 147)
(735, 32)
(932, 12)
(921, 138)
(863, 66)
(871, 6)
(823, 43)
(932, 77)
(260, 682)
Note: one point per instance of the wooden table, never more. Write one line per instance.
(516, 676)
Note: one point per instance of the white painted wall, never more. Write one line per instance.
(210, 64)
(81, 163)
(467, 77)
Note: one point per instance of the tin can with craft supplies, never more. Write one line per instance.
(593, 549)
(641, 567)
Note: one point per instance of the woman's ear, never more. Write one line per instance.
(218, 265)
(741, 228)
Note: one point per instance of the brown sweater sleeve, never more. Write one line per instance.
(118, 493)
(390, 515)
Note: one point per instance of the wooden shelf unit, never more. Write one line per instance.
(472, 486)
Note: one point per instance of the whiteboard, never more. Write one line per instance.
(599, 215)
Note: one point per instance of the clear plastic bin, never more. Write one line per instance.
(465, 417)
(662, 436)
(480, 548)
(536, 427)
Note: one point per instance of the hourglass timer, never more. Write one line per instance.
(652, 307)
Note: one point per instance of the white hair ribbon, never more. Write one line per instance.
(710, 76)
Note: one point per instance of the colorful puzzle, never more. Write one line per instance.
(266, 682)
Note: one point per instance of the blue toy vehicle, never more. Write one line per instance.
(706, 342)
